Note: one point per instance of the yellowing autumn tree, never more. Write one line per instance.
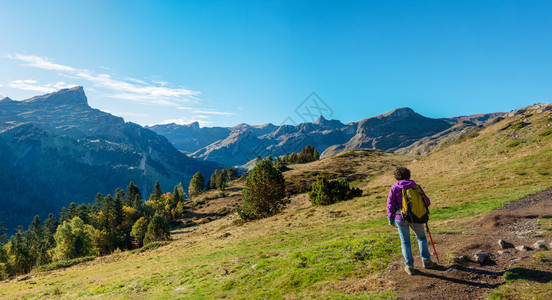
(74, 239)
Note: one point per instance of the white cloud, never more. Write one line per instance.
(211, 112)
(157, 92)
(160, 82)
(141, 92)
(40, 62)
(32, 85)
(185, 108)
(136, 80)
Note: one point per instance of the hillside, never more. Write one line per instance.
(346, 250)
(55, 149)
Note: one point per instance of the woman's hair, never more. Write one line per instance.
(402, 173)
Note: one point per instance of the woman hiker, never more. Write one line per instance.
(394, 205)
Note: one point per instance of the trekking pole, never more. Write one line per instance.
(432, 244)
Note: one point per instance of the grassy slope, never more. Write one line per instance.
(317, 252)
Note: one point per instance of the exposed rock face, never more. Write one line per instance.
(55, 149)
(190, 138)
(401, 130)
(396, 129)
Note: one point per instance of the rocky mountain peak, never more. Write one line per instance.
(6, 99)
(403, 112)
(194, 125)
(321, 120)
(73, 96)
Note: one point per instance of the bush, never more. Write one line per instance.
(326, 192)
(547, 132)
(65, 263)
(263, 193)
(158, 230)
(515, 143)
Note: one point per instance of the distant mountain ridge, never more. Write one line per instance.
(396, 131)
(55, 149)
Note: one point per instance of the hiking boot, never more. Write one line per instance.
(409, 270)
(428, 264)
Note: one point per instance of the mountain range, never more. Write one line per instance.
(56, 149)
(401, 130)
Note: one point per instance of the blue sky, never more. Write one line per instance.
(227, 62)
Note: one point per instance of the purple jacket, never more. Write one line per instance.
(394, 200)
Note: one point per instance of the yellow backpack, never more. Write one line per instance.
(414, 207)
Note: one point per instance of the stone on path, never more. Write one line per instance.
(540, 245)
(504, 244)
(460, 259)
(523, 248)
(482, 257)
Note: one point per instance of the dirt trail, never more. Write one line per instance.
(516, 223)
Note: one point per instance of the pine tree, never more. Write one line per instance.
(132, 192)
(72, 211)
(98, 203)
(22, 256)
(3, 230)
(213, 180)
(63, 215)
(157, 193)
(263, 192)
(36, 226)
(116, 212)
(83, 213)
(138, 207)
(157, 199)
(221, 179)
(176, 197)
(197, 185)
(105, 214)
(50, 226)
(232, 173)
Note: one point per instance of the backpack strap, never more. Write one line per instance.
(423, 193)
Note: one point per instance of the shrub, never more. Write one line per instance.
(547, 132)
(65, 263)
(515, 143)
(326, 192)
(518, 125)
(263, 193)
(158, 230)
